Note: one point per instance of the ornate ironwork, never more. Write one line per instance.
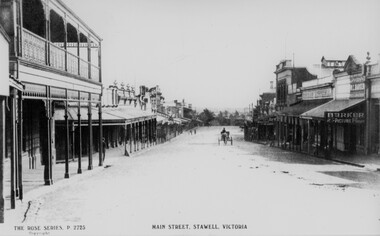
(57, 57)
(72, 64)
(34, 90)
(34, 47)
(57, 93)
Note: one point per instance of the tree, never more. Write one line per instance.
(207, 116)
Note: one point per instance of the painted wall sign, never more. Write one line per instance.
(345, 117)
(357, 86)
(317, 94)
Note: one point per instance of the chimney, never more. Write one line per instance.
(271, 85)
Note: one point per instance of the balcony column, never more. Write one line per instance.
(2, 156)
(78, 51)
(89, 59)
(47, 34)
(90, 167)
(79, 136)
(100, 61)
(65, 42)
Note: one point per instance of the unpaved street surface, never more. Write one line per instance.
(201, 188)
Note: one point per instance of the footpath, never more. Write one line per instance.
(33, 180)
(368, 162)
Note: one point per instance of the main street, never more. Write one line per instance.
(191, 185)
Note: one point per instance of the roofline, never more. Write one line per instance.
(289, 68)
(78, 18)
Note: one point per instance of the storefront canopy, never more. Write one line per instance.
(302, 107)
(332, 106)
(109, 115)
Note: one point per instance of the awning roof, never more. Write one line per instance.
(59, 114)
(161, 119)
(332, 106)
(302, 107)
(108, 114)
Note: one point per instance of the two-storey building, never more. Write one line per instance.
(57, 58)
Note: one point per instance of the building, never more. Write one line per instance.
(299, 133)
(55, 64)
(4, 93)
(373, 105)
(345, 115)
(288, 81)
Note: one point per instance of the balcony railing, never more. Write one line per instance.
(57, 57)
(84, 68)
(37, 50)
(34, 47)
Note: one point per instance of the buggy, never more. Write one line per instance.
(225, 137)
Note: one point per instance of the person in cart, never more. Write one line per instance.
(224, 134)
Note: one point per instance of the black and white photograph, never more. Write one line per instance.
(189, 117)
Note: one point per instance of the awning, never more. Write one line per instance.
(302, 107)
(332, 106)
(129, 113)
(109, 115)
(160, 119)
(72, 113)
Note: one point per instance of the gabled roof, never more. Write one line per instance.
(352, 65)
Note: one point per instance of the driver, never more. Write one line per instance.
(223, 131)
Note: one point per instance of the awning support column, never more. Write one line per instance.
(308, 136)
(19, 145)
(80, 137)
(125, 140)
(2, 156)
(90, 167)
(67, 139)
(101, 151)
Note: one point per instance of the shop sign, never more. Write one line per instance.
(345, 117)
(317, 94)
(357, 86)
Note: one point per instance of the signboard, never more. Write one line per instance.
(345, 117)
(357, 86)
(317, 94)
(4, 66)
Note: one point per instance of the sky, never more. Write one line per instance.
(222, 53)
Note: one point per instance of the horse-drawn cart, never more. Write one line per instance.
(225, 137)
